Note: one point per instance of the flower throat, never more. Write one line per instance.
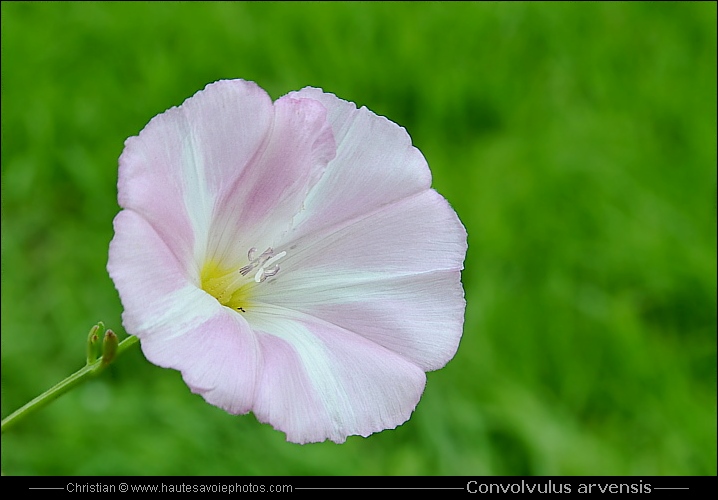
(231, 287)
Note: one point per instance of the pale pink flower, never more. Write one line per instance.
(288, 258)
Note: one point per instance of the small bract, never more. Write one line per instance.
(288, 258)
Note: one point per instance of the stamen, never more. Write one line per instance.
(265, 273)
(230, 287)
(254, 262)
(271, 272)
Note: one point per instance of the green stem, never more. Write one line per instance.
(80, 376)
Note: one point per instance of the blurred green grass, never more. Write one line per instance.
(577, 142)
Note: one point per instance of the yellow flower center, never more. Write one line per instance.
(230, 287)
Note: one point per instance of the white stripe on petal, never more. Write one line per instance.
(314, 357)
(178, 312)
(333, 383)
(404, 314)
(216, 351)
(197, 198)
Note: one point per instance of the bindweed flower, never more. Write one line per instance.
(288, 258)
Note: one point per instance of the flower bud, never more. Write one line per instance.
(109, 347)
(93, 343)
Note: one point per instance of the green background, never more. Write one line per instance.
(577, 142)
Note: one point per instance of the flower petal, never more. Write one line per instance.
(392, 277)
(219, 356)
(320, 381)
(179, 325)
(225, 171)
(375, 165)
(413, 235)
(172, 172)
(146, 273)
(259, 205)
(404, 314)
